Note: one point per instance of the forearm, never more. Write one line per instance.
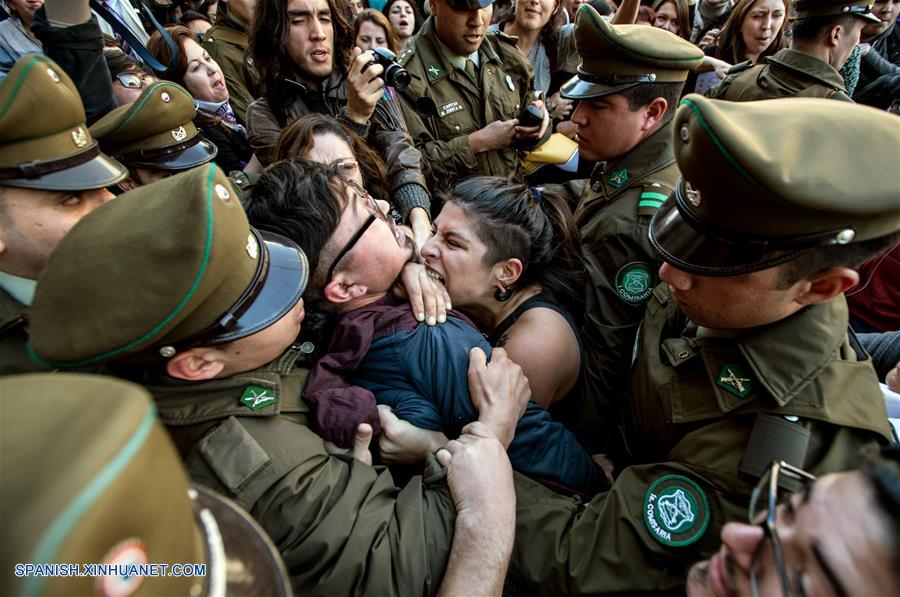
(480, 554)
(627, 13)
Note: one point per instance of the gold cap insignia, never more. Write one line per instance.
(222, 193)
(179, 134)
(53, 76)
(164, 97)
(252, 247)
(693, 195)
(79, 137)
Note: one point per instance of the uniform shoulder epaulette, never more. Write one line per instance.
(740, 67)
(405, 54)
(510, 39)
(652, 196)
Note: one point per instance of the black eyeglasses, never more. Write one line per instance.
(375, 213)
(133, 80)
(791, 479)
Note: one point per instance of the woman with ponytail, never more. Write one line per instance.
(508, 255)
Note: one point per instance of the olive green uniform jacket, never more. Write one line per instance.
(458, 106)
(342, 527)
(226, 42)
(695, 400)
(613, 216)
(786, 73)
(13, 337)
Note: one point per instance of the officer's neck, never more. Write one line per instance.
(813, 48)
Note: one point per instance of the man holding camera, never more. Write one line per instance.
(468, 92)
(318, 70)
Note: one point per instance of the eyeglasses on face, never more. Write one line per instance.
(375, 212)
(790, 479)
(133, 80)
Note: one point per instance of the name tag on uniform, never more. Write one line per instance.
(449, 108)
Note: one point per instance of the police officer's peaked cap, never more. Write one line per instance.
(106, 486)
(615, 58)
(764, 182)
(155, 131)
(805, 9)
(44, 141)
(468, 4)
(168, 266)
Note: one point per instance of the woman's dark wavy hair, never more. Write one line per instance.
(298, 138)
(417, 14)
(549, 33)
(531, 224)
(269, 36)
(731, 47)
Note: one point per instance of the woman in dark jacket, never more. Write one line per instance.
(197, 72)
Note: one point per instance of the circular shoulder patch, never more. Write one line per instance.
(676, 511)
(634, 282)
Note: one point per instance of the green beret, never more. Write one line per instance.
(164, 267)
(52, 149)
(617, 57)
(155, 131)
(90, 477)
(805, 9)
(765, 181)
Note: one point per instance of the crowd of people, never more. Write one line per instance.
(450, 297)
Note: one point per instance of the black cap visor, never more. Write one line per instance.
(241, 558)
(179, 158)
(285, 281)
(587, 86)
(96, 173)
(684, 243)
(469, 4)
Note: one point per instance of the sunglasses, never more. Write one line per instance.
(375, 213)
(133, 80)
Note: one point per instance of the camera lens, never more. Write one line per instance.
(397, 77)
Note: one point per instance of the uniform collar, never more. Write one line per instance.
(653, 153)
(808, 66)
(21, 289)
(258, 393)
(436, 57)
(12, 311)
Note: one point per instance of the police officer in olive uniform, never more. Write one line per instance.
(88, 477)
(824, 32)
(154, 136)
(51, 174)
(171, 283)
(464, 94)
(226, 43)
(743, 356)
(627, 86)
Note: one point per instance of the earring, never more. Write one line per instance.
(503, 294)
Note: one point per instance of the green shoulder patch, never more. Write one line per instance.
(733, 378)
(618, 178)
(634, 282)
(676, 511)
(434, 70)
(255, 397)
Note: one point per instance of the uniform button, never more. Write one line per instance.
(456, 128)
(685, 133)
(307, 347)
(222, 193)
(596, 186)
(683, 354)
(53, 76)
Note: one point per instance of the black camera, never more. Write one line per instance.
(531, 116)
(394, 75)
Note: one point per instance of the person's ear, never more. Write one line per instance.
(507, 272)
(835, 35)
(195, 364)
(341, 289)
(655, 112)
(826, 284)
(127, 184)
(431, 5)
